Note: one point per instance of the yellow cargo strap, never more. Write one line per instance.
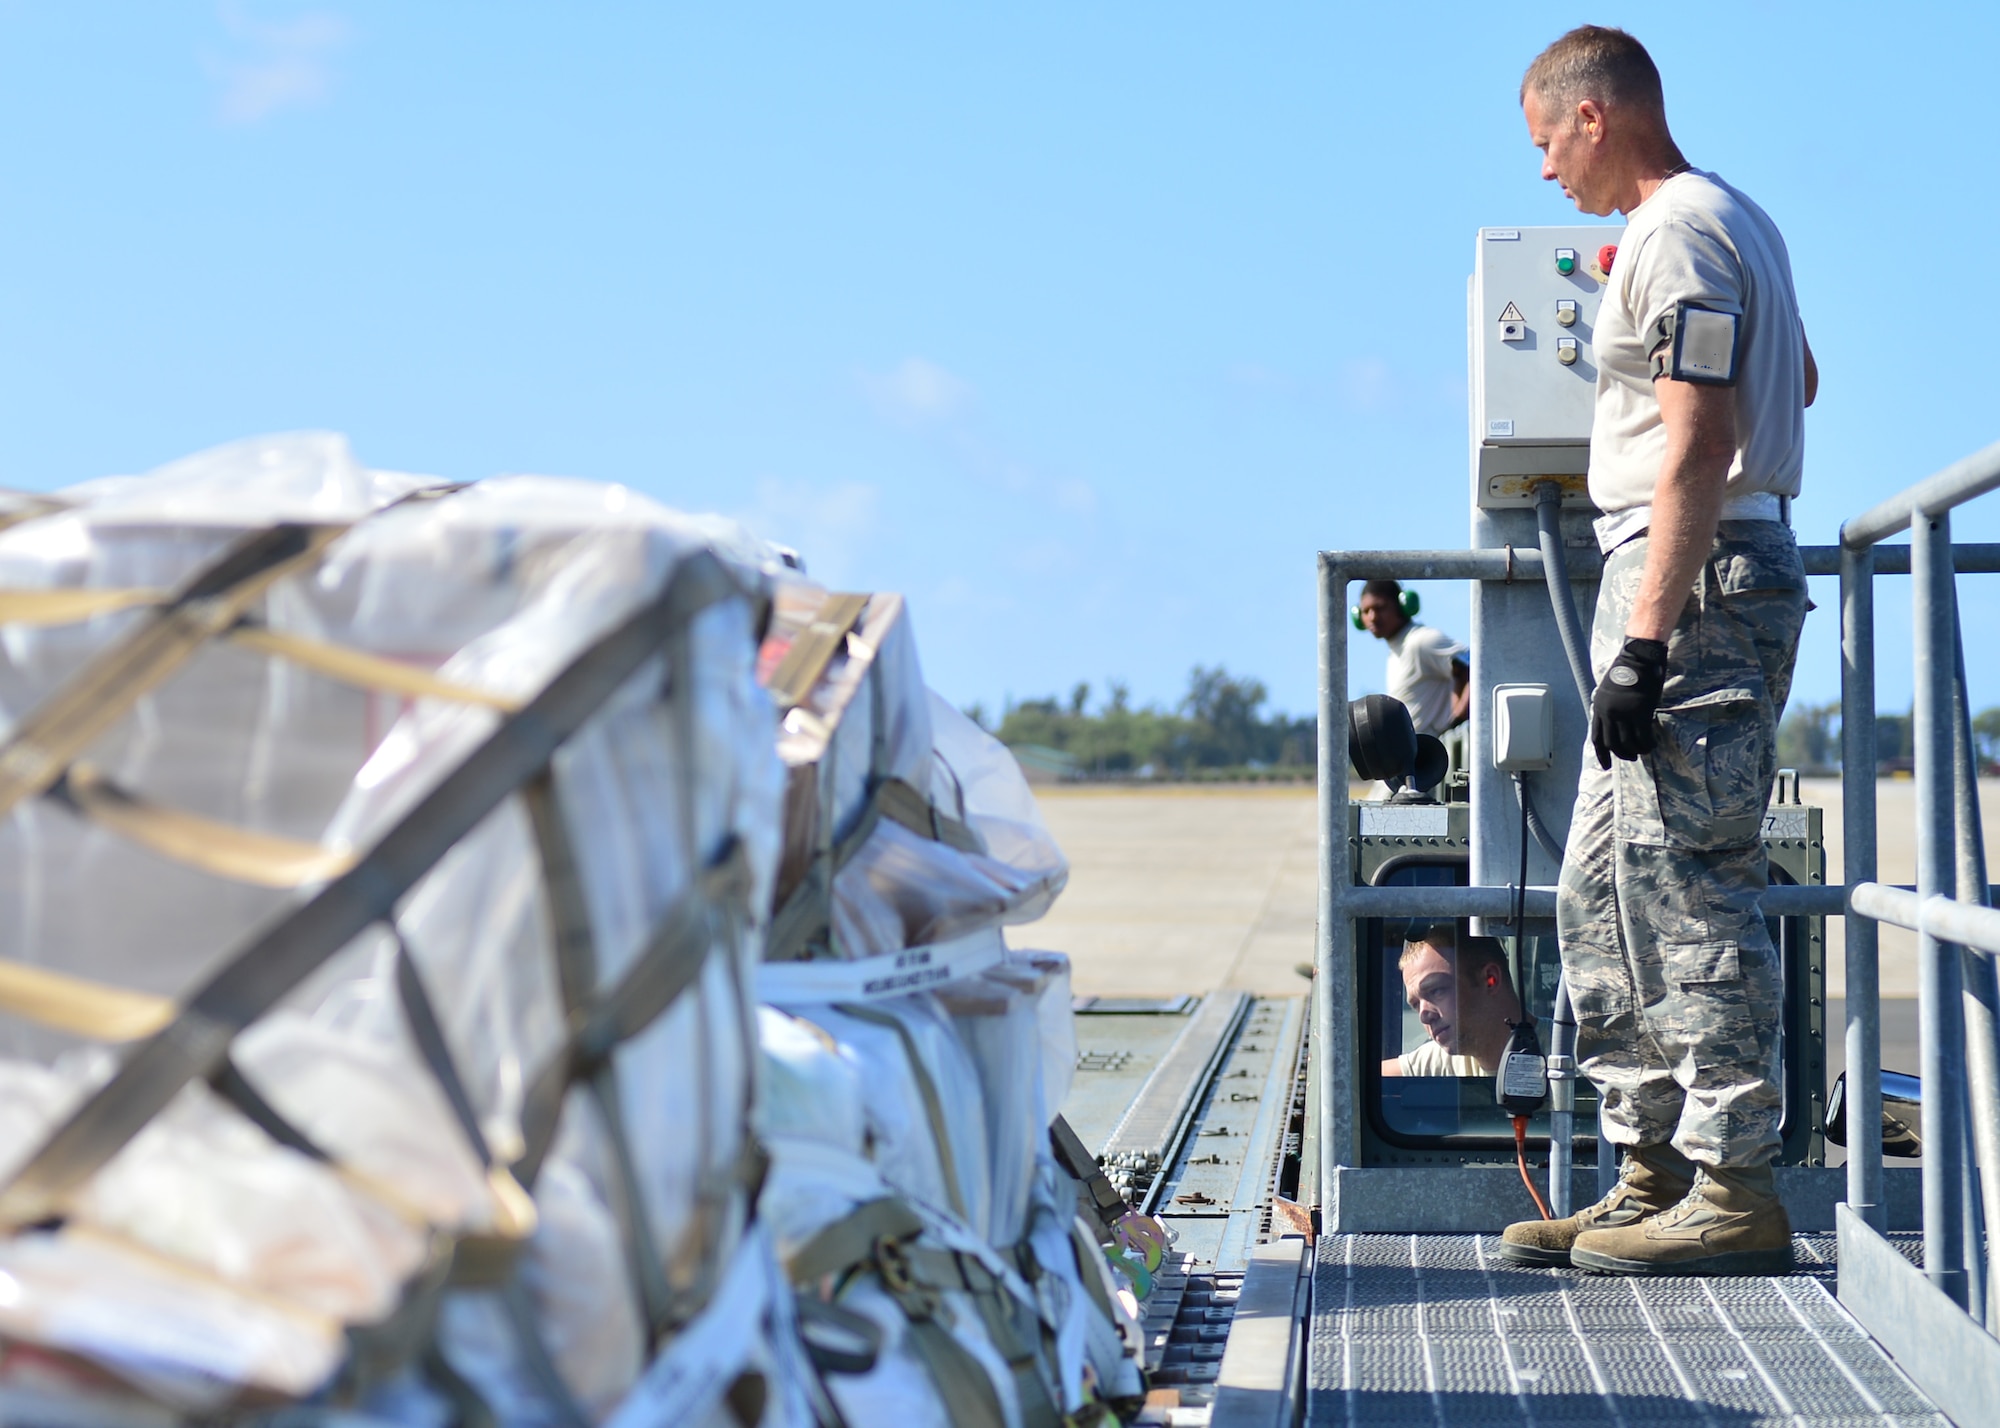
(69, 721)
(221, 849)
(82, 1008)
(210, 603)
(337, 662)
(813, 650)
(277, 958)
(71, 605)
(363, 670)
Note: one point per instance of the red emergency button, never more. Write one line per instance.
(1604, 257)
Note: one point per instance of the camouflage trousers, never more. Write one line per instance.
(1670, 965)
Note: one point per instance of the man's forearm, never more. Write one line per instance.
(1686, 506)
(1687, 503)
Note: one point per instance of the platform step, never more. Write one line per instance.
(1436, 1329)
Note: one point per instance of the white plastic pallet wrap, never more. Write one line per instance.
(813, 1116)
(906, 824)
(886, 1097)
(210, 1259)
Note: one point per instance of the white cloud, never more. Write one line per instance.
(273, 65)
(916, 391)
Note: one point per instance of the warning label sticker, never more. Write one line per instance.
(1512, 314)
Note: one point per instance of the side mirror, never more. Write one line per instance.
(1902, 1114)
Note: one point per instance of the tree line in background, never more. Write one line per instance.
(1809, 740)
(1218, 729)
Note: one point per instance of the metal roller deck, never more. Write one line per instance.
(1248, 1327)
(1434, 1329)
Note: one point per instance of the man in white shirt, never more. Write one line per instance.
(1427, 667)
(1461, 992)
(1696, 447)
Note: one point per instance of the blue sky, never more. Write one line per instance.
(1085, 326)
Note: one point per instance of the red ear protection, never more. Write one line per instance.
(1492, 979)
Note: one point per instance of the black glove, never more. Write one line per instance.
(1621, 712)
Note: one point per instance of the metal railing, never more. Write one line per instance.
(1958, 934)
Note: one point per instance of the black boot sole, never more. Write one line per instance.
(1534, 1256)
(1739, 1264)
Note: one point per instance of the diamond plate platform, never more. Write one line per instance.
(1434, 1329)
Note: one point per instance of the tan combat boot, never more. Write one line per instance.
(1731, 1222)
(1652, 1180)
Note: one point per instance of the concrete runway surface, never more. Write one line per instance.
(1185, 888)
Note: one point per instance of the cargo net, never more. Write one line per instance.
(387, 873)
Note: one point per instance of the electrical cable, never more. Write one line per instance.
(1535, 824)
(1521, 888)
(1555, 569)
(1521, 1159)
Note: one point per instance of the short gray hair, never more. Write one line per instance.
(1595, 62)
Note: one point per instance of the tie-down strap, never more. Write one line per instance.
(813, 649)
(51, 737)
(276, 960)
(880, 1235)
(40, 754)
(806, 913)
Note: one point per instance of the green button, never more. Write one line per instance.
(1566, 264)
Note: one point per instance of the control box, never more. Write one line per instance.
(1524, 728)
(1531, 318)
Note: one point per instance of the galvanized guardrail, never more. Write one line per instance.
(1958, 996)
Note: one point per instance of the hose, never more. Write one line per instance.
(1535, 824)
(1521, 1159)
(1521, 888)
(1555, 569)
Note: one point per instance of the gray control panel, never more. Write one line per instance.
(1531, 319)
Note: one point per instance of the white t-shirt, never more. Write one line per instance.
(1697, 240)
(1430, 1059)
(1420, 660)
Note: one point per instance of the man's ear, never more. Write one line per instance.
(1590, 120)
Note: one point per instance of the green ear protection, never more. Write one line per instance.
(1409, 602)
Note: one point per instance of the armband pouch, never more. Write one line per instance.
(1698, 344)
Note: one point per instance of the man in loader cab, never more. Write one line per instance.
(1696, 448)
(1461, 992)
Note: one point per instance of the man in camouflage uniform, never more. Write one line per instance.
(1696, 445)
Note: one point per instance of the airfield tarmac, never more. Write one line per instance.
(1188, 888)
